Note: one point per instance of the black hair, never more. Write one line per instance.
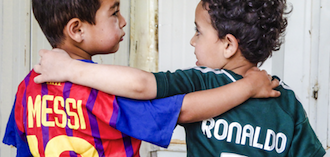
(258, 25)
(53, 15)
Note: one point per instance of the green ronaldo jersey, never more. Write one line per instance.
(258, 127)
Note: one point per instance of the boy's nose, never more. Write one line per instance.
(192, 41)
(122, 22)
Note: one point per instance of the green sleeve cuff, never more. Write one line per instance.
(162, 83)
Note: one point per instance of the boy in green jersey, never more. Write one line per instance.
(231, 38)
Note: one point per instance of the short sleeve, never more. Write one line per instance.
(13, 138)
(305, 142)
(10, 134)
(179, 82)
(191, 80)
(151, 121)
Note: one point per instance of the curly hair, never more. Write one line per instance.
(258, 25)
(53, 15)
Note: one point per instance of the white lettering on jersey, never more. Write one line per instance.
(224, 132)
(270, 134)
(231, 155)
(273, 141)
(256, 138)
(207, 128)
(231, 130)
(248, 131)
(283, 144)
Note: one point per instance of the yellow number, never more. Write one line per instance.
(33, 145)
(59, 144)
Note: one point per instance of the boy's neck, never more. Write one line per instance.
(242, 70)
(239, 65)
(76, 52)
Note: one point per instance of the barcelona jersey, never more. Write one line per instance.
(65, 119)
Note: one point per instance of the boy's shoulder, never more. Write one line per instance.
(190, 80)
(28, 85)
(290, 102)
(29, 80)
(208, 73)
(26, 81)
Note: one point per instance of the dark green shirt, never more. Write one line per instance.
(258, 127)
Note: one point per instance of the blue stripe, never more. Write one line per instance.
(128, 145)
(45, 130)
(27, 81)
(93, 122)
(114, 116)
(66, 95)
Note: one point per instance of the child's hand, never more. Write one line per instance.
(53, 66)
(262, 85)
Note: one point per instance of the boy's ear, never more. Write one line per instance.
(74, 30)
(231, 46)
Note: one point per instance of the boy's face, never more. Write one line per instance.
(105, 35)
(208, 47)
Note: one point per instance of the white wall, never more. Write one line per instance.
(176, 27)
(14, 57)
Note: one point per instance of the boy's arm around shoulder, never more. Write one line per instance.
(57, 66)
(117, 80)
(206, 104)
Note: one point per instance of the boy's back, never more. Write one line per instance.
(62, 118)
(258, 127)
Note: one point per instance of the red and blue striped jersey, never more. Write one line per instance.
(65, 119)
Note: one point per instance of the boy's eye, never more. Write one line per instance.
(115, 13)
(197, 31)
